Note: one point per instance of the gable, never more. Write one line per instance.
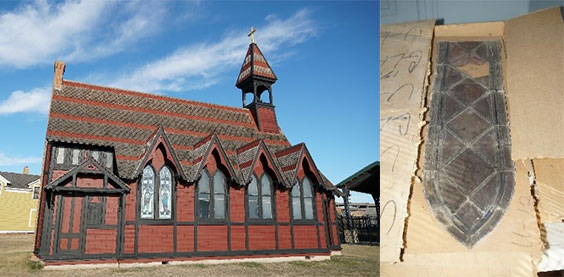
(93, 177)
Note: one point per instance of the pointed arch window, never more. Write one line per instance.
(259, 197)
(156, 193)
(147, 192)
(302, 196)
(165, 194)
(212, 195)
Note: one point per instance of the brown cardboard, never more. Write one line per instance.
(405, 50)
(517, 231)
(533, 66)
(535, 87)
(549, 178)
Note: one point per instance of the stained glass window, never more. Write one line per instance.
(147, 192)
(165, 194)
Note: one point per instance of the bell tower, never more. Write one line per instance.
(256, 77)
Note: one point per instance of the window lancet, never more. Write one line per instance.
(302, 199)
(147, 192)
(259, 198)
(165, 193)
(212, 195)
(156, 193)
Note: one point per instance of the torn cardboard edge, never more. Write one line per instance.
(416, 80)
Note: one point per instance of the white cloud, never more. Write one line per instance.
(36, 100)
(40, 32)
(7, 161)
(197, 66)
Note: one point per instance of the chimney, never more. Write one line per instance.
(59, 72)
(26, 170)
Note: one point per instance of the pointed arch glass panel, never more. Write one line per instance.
(296, 202)
(204, 195)
(147, 192)
(219, 194)
(165, 193)
(266, 196)
(308, 198)
(252, 190)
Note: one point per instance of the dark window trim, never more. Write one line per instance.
(211, 209)
(261, 218)
(156, 197)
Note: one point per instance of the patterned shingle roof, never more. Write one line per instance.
(255, 65)
(129, 121)
(17, 180)
(126, 120)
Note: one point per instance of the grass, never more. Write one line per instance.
(357, 260)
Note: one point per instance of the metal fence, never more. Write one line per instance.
(362, 230)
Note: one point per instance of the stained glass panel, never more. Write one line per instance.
(165, 193)
(147, 192)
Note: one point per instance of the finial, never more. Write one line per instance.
(252, 34)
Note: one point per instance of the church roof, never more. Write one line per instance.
(128, 121)
(255, 65)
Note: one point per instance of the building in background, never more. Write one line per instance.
(359, 222)
(19, 199)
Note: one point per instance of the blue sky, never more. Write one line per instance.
(324, 54)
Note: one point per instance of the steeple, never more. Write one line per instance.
(256, 77)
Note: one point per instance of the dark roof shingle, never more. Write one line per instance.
(17, 180)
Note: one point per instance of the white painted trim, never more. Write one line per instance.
(7, 189)
(209, 261)
(17, 232)
(4, 180)
(30, 217)
(33, 183)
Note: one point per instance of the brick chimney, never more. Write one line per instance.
(59, 72)
(26, 170)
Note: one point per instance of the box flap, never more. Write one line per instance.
(535, 84)
(404, 70)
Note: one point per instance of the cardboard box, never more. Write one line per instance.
(413, 242)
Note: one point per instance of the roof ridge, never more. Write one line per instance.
(19, 174)
(154, 96)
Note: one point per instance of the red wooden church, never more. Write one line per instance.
(134, 177)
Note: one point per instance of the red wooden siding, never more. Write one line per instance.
(237, 238)
(185, 203)
(100, 241)
(155, 239)
(212, 238)
(262, 238)
(237, 204)
(129, 239)
(284, 237)
(185, 238)
(305, 237)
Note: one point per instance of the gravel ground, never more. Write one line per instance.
(357, 260)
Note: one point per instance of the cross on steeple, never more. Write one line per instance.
(252, 34)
